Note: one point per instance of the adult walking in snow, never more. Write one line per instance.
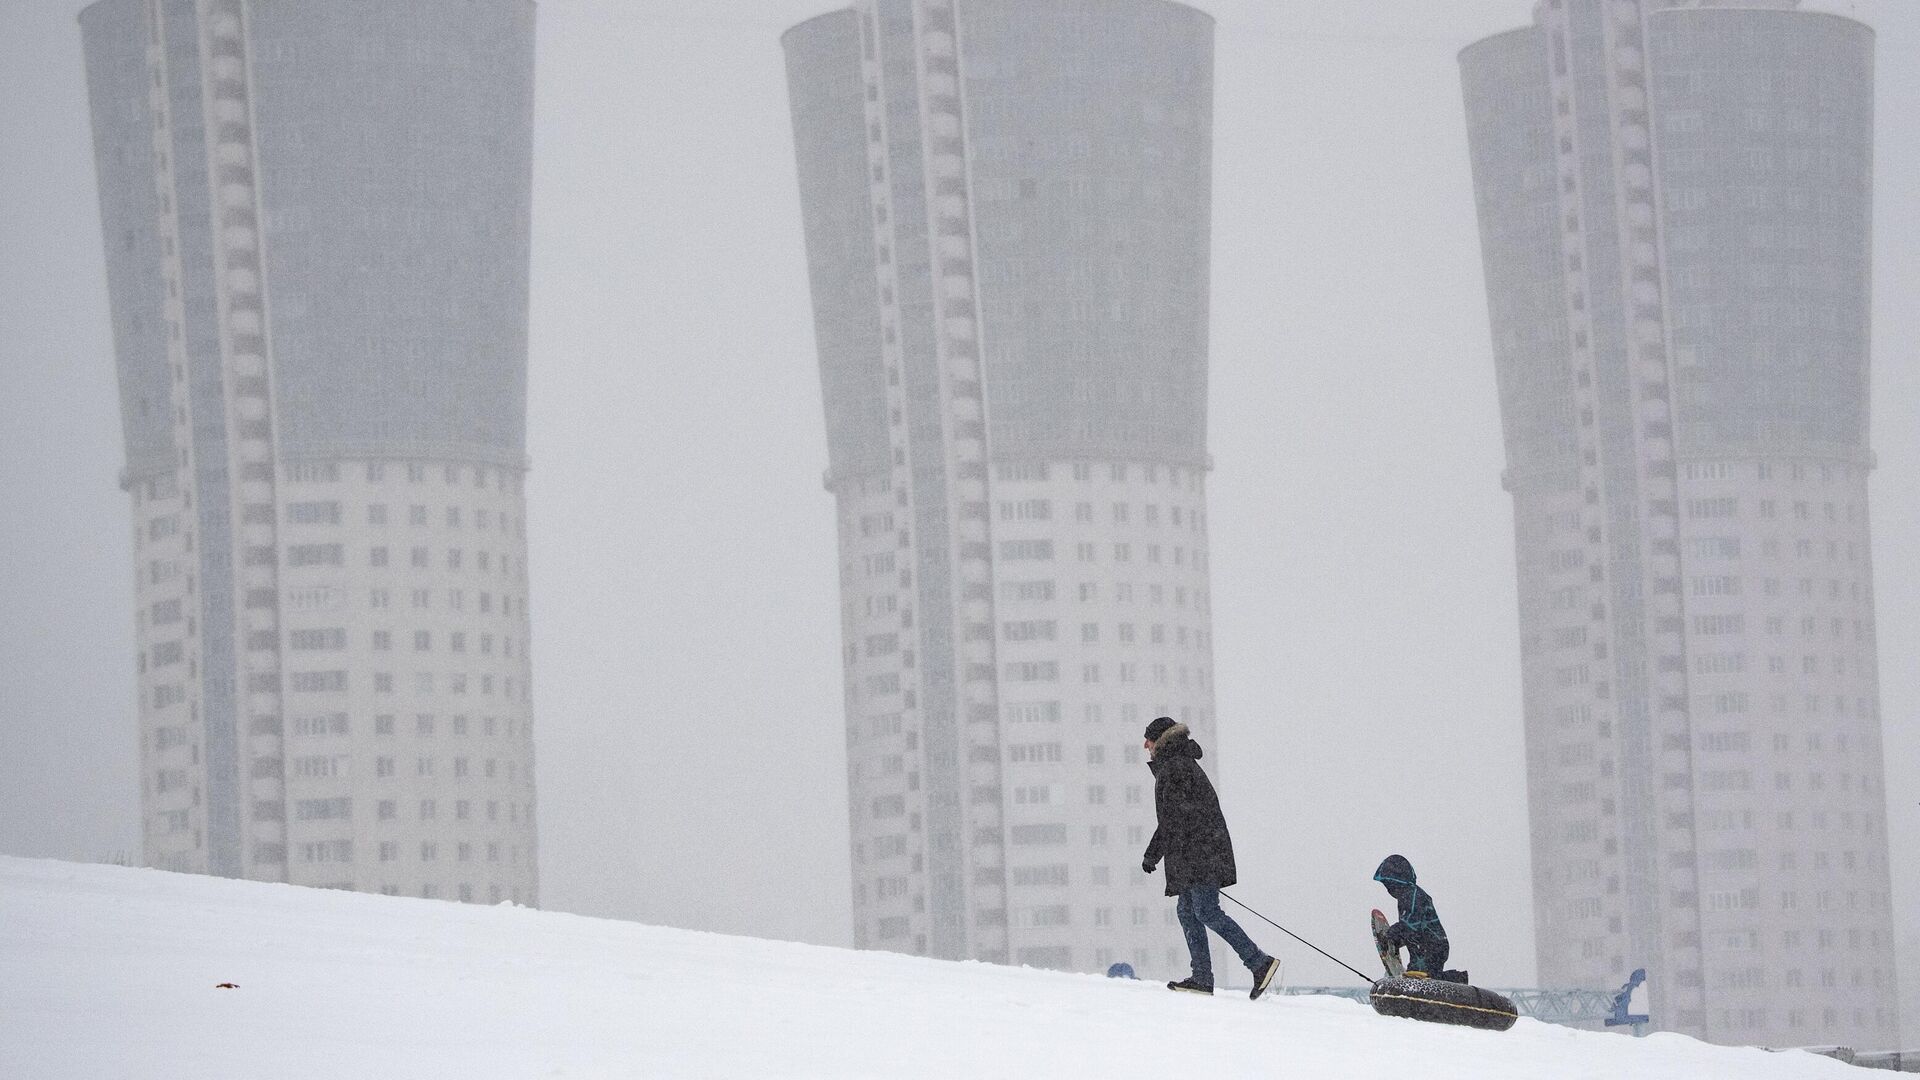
(1192, 837)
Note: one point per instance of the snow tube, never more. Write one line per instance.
(1443, 1003)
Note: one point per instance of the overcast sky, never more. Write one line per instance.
(685, 627)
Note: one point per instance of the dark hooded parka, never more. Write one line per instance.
(1419, 927)
(1192, 833)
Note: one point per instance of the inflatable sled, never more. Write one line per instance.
(1443, 1003)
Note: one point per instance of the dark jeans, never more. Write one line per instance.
(1199, 911)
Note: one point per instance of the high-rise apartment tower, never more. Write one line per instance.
(316, 222)
(1006, 213)
(1674, 203)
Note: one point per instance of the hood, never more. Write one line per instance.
(1396, 873)
(1175, 742)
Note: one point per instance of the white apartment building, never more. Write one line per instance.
(1675, 201)
(321, 344)
(1006, 208)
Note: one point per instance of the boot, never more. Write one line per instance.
(1264, 977)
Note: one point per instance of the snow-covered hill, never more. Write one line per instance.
(109, 972)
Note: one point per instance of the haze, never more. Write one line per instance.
(685, 624)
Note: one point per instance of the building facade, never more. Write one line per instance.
(1675, 201)
(1006, 208)
(316, 224)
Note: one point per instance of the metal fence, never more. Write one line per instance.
(1573, 1008)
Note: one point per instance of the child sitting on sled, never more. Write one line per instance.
(1419, 930)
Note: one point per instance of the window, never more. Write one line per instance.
(1032, 671)
(1037, 835)
(1033, 795)
(1028, 712)
(314, 555)
(313, 513)
(330, 638)
(1719, 663)
(1724, 507)
(1054, 874)
(1716, 585)
(320, 852)
(1025, 591)
(322, 809)
(1026, 550)
(317, 682)
(1036, 753)
(322, 725)
(318, 766)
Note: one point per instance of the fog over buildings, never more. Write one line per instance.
(1244, 285)
(1675, 207)
(1006, 210)
(319, 307)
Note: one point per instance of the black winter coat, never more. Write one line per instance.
(1192, 833)
(1419, 926)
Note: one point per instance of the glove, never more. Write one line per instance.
(1146, 865)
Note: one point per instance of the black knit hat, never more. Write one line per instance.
(1158, 727)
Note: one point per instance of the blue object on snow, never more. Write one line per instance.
(1620, 1015)
(1121, 970)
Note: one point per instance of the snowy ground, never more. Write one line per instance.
(108, 972)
